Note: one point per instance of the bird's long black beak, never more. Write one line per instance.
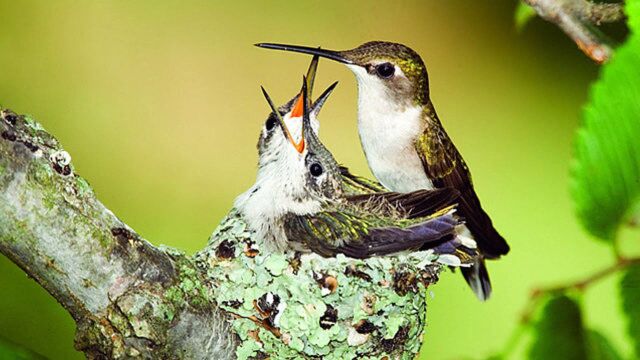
(329, 54)
(306, 103)
(311, 73)
(309, 137)
(317, 105)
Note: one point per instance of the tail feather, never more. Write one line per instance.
(477, 277)
(491, 243)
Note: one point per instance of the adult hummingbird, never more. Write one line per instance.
(299, 202)
(404, 141)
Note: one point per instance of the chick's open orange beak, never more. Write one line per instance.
(298, 108)
(297, 112)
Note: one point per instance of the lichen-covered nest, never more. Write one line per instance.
(291, 305)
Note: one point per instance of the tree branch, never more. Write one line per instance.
(576, 17)
(581, 285)
(112, 282)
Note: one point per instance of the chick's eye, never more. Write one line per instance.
(385, 70)
(270, 124)
(316, 169)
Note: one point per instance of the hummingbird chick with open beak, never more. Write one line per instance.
(263, 205)
(308, 209)
(404, 141)
(260, 205)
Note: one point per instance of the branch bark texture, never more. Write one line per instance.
(128, 298)
(577, 19)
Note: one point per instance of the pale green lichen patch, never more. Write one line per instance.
(21, 233)
(41, 174)
(189, 289)
(33, 125)
(102, 238)
(333, 308)
(82, 186)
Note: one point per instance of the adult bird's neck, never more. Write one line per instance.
(388, 134)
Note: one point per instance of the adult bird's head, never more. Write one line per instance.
(384, 69)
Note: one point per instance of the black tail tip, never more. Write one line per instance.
(477, 277)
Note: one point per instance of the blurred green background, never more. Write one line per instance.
(159, 104)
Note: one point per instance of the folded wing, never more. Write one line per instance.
(361, 236)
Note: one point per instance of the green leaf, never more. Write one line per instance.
(606, 171)
(630, 294)
(523, 14)
(559, 333)
(600, 348)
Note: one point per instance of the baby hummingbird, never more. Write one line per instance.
(261, 206)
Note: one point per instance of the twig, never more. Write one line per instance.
(581, 285)
(572, 17)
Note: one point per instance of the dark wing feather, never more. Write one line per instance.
(330, 233)
(354, 184)
(446, 168)
(416, 204)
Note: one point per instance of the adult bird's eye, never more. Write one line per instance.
(385, 70)
(316, 169)
(271, 122)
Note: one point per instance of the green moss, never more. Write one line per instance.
(189, 289)
(33, 127)
(166, 312)
(119, 321)
(19, 230)
(103, 238)
(187, 285)
(41, 179)
(41, 175)
(82, 186)
(192, 285)
(49, 200)
(175, 295)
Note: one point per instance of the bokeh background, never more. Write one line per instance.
(159, 104)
